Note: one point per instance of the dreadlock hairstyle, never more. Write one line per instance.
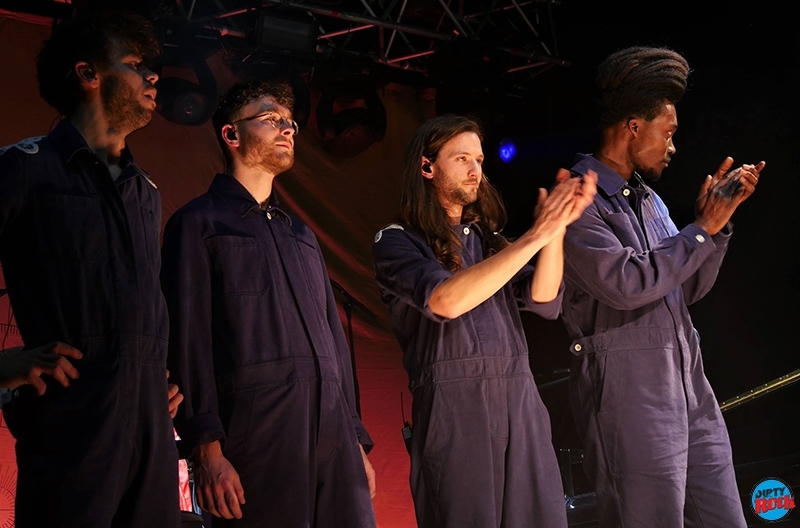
(242, 94)
(91, 37)
(420, 208)
(635, 81)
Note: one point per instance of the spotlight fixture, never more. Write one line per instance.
(184, 102)
(351, 130)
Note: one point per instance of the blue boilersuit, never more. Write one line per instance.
(656, 446)
(481, 452)
(80, 254)
(257, 346)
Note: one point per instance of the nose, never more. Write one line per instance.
(286, 127)
(150, 76)
(475, 168)
(671, 147)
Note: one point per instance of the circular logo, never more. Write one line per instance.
(771, 499)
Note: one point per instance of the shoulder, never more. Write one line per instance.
(391, 229)
(30, 146)
(33, 149)
(195, 212)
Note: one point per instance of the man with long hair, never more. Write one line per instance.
(481, 449)
(79, 244)
(656, 446)
(256, 342)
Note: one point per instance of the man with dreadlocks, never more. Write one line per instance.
(655, 443)
(481, 450)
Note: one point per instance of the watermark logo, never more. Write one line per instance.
(771, 499)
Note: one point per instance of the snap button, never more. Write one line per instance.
(466, 230)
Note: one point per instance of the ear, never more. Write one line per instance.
(229, 135)
(426, 168)
(86, 74)
(633, 125)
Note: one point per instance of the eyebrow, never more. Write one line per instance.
(465, 152)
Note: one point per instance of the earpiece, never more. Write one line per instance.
(88, 72)
(426, 168)
(231, 135)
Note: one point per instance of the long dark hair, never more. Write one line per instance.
(420, 208)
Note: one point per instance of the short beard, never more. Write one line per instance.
(257, 152)
(648, 174)
(123, 111)
(456, 195)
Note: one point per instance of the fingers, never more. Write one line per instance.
(370, 472)
(586, 193)
(64, 349)
(724, 167)
(563, 175)
(220, 488)
(542, 197)
(64, 366)
(38, 384)
(175, 398)
(237, 486)
(59, 372)
(53, 365)
(205, 499)
(229, 507)
(706, 187)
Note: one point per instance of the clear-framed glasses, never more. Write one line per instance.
(275, 119)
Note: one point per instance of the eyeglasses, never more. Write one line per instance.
(275, 119)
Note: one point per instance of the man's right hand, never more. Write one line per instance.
(20, 366)
(723, 192)
(219, 490)
(564, 204)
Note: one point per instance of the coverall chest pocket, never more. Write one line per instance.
(237, 264)
(75, 226)
(626, 232)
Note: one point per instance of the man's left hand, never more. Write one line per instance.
(175, 398)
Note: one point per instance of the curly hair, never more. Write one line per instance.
(240, 95)
(92, 37)
(635, 82)
(420, 208)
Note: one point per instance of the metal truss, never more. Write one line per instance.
(514, 39)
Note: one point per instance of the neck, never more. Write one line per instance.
(256, 180)
(613, 153)
(106, 142)
(453, 213)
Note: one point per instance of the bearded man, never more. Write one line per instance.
(256, 338)
(79, 245)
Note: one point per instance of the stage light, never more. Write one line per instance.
(507, 150)
(184, 102)
(287, 34)
(359, 122)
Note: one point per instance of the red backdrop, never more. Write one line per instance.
(345, 201)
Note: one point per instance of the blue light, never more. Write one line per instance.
(507, 150)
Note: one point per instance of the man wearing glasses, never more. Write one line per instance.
(256, 341)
